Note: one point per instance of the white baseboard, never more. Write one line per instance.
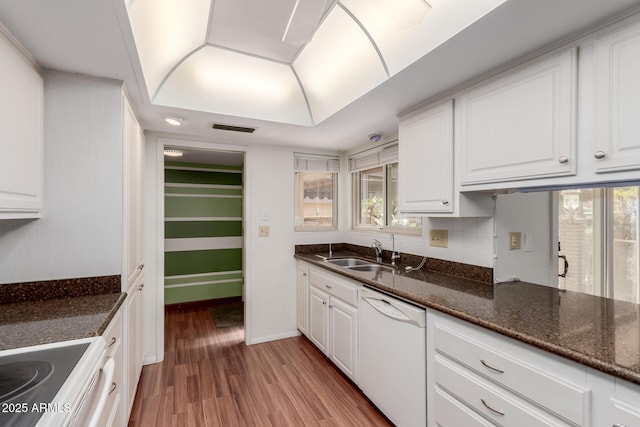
(151, 360)
(275, 337)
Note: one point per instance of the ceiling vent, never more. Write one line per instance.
(233, 128)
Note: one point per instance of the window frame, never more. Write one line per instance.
(356, 199)
(308, 164)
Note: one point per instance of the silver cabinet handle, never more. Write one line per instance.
(563, 159)
(490, 408)
(445, 202)
(599, 154)
(113, 341)
(486, 365)
(619, 425)
(141, 266)
(113, 387)
(304, 274)
(327, 286)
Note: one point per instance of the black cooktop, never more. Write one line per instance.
(29, 381)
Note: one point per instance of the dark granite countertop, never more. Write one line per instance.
(64, 310)
(598, 332)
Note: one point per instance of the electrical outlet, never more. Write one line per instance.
(439, 238)
(263, 231)
(515, 240)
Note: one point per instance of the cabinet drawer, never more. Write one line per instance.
(113, 334)
(540, 378)
(624, 415)
(449, 412)
(488, 399)
(335, 286)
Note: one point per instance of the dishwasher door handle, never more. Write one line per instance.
(388, 309)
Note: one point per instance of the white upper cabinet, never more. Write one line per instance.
(21, 135)
(426, 160)
(520, 124)
(617, 71)
(133, 146)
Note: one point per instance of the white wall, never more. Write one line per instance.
(270, 266)
(80, 232)
(530, 214)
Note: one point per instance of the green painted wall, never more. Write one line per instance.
(203, 232)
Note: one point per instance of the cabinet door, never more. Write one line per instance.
(343, 350)
(134, 180)
(21, 135)
(617, 137)
(319, 318)
(135, 342)
(426, 159)
(520, 125)
(302, 298)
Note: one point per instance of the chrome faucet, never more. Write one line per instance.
(394, 255)
(378, 248)
(330, 251)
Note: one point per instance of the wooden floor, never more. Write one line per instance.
(211, 378)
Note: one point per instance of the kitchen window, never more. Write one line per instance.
(599, 237)
(316, 189)
(374, 177)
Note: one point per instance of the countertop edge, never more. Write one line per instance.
(103, 326)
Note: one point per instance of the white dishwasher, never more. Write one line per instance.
(393, 357)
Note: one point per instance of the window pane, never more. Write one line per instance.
(576, 237)
(396, 218)
(316, 207)
(625, 255)
(371, 182)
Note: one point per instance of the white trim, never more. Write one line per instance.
(202, 243)
(203, 218)
(210, 196)
(212, 282)
(187, 185)
(180, 168)
(275, 337)
(193, 276)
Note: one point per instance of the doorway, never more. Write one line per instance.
(203, 225)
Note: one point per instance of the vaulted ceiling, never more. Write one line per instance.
(225, 61)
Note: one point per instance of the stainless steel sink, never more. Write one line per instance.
(371, 267)
(347, 262)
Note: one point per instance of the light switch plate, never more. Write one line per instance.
(515, 240)
(439, 238)
(263, 231)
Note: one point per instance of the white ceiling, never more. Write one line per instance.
(95, 38)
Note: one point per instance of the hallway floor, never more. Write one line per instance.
(211, 378)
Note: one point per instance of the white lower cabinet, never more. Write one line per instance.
(302, 298)
(134, 350)
(504, 381)
(112, 415)
(333, 319)
(343, 335)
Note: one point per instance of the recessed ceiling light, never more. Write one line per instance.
(173, 121)
(173, 153)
